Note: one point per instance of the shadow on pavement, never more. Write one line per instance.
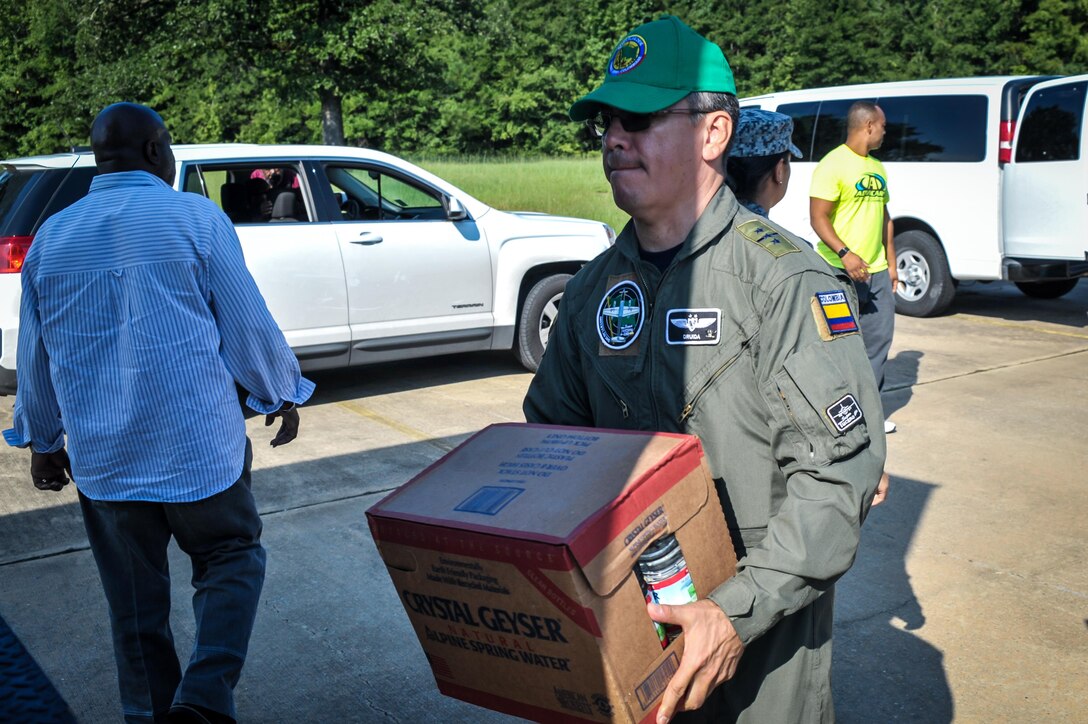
(884, 670)
(332, 638)
(391, 377)
(900, 376)
(1002, 300)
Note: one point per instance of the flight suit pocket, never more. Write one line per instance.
(824, 408)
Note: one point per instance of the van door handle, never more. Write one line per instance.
(367, 239)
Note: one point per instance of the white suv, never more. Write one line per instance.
(361, 256)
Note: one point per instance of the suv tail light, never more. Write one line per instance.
(1004, 143)
(12, 252)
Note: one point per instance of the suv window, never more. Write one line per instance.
(1051, 127)
(30, 196)
(15, 187)
(920, 128)
(251, 193)
(369, 194)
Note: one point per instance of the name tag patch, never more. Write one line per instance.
(835, 312)
(693, 326)
(844, 413)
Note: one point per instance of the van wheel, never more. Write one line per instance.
(537, 316)
(926, 287)
(1047, 290)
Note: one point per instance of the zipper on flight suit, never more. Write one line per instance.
(796, 422)
(650, 331)
(690, 406)
(615, 396)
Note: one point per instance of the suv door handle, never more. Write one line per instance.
(367, 239)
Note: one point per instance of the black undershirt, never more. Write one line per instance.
(660, 259)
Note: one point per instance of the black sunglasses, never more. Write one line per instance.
(632, 122)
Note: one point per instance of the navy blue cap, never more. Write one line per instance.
(763, 133)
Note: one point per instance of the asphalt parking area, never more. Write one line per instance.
(968, 601)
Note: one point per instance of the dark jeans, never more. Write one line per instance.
(876, 300)
(221, 535)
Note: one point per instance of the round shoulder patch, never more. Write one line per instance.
(620, 315)
(628, 54)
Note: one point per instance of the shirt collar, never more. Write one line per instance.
(716, 218)
(753, 207)
(127, 179)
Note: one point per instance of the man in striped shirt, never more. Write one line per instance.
(138, 317)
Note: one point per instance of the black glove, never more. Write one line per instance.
(47, 469)
(288, 431)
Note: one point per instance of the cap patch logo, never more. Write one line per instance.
(620, 315)
(627, 55)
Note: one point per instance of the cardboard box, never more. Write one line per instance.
(514, 554)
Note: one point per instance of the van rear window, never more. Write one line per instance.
(928, 129)
(1051, 127)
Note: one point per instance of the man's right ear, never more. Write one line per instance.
(719, 132)
(152, 154)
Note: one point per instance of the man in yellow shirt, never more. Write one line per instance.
(848, 203)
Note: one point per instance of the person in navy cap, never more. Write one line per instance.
(759, 165)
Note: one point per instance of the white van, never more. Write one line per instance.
(988, 179)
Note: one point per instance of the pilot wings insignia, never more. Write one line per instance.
(692, 326)
(694, 322)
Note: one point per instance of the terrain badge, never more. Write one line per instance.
(693, 326)
(844, 413)
(620, 315)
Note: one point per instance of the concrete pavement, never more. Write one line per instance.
(968, 602)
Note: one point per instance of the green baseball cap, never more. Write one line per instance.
(656, 65)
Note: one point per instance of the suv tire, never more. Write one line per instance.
(538, 313)
(926, 287)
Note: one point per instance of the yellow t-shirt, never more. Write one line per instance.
(858, 186)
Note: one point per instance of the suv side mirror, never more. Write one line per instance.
(455, 211)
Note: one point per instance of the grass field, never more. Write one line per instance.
(564, 186)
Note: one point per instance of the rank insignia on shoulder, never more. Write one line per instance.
(833, 315)
(766, 236)
(844, 413)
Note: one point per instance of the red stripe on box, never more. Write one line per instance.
(528, 558)
(570, 608)
(489, 547)
(848, 326)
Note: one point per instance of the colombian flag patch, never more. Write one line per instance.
(836, 313)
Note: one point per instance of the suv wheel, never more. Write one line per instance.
(926, 287)
(536, 318)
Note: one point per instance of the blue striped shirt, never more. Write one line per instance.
(138, 314)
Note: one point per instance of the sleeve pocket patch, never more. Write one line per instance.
(844, 413)
(821, 404)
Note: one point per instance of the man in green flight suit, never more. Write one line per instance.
(706, 319)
